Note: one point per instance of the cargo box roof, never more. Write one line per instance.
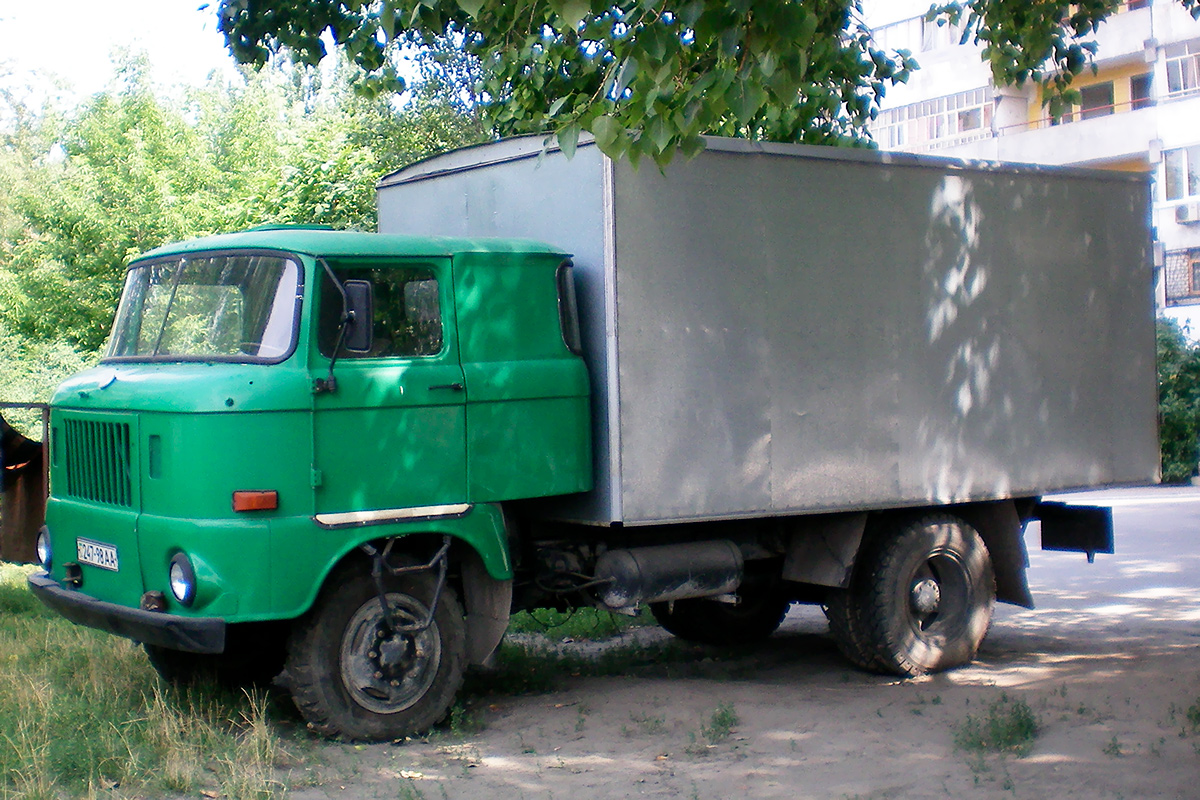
(334, 244)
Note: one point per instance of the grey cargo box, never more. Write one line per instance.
(783, 329)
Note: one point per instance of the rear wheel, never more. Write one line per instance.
(354, 673)
(758, 612)
(921, 600)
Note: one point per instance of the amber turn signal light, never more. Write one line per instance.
(255, 501)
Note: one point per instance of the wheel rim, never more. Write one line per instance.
(383, 673)
(939, 596)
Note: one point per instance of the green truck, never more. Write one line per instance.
(340, 460)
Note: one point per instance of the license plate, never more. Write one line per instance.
(97, 554)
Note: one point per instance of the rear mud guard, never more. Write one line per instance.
(1076, 529)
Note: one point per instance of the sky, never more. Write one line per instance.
(74, 41)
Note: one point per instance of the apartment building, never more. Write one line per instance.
(1140, 112)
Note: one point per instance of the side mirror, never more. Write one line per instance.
(360, 309)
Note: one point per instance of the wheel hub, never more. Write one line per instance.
(926, 596)
(394, 654)
(384, 670)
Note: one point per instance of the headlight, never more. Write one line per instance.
(183, 579)
(44, 555)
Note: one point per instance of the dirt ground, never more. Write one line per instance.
(1110, 673)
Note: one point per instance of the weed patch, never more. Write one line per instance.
(1009, 726)
(83, 711)
(1193, 716)
(721, 724)
(532, 664)
(578, 624)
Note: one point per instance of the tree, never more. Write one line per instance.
(1178, 403)
(645, 78)
(648, 77)
(82, 193)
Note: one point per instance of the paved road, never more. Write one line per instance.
(1148, 588)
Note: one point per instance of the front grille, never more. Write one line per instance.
(98, 457)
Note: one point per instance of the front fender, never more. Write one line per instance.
(297, 582)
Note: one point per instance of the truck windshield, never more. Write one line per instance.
(240, 307)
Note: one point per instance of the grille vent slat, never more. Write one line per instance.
(98, 462)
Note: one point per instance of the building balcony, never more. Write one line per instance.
(1105, 138)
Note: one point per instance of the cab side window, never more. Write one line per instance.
(408, 316)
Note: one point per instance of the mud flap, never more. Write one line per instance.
(1077, 529)
(488, 603)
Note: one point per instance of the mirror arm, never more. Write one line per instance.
(329, 383)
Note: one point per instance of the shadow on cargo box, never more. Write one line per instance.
(1030, 381)
(22, 493)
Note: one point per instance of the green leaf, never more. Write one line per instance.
(607, 131)
(692, 146)
(574, 11)
(745, 98)
(387, 19)
(568, 139)
(471, 7)
(625, 75)
(659, 132)
(557, 105)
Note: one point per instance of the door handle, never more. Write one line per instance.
(454, 387)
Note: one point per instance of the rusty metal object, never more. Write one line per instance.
(24, 482)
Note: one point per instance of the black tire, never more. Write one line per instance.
(253, 656)
(345, 684)
(758, 614)
(921, 600)
(841, 610)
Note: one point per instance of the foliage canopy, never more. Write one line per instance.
(82, 192)
(648, 77)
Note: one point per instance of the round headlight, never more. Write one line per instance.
(183, 579)
(44, 555)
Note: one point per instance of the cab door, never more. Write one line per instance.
(390, 439)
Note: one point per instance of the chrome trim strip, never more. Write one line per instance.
(379, 516)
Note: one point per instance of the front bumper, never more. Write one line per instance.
(191, 634)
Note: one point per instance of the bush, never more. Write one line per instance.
(30, 371)
(1178, 403)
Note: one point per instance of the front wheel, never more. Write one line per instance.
(253, 656)
(354, 673)
(921, 600)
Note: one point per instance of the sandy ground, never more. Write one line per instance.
(1109, 663)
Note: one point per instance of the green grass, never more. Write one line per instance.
(1009, 726)
(536, 665)
(1193, 716)
(578, 624)
(721, 724)
(82, 713)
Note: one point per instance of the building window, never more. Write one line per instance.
(1183, 68)
(940, 122)
(1182, 172)
(1181, 277)
(935, 36)
(1139, 91)
(1097, 100)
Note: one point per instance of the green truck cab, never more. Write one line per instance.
(273, 409)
